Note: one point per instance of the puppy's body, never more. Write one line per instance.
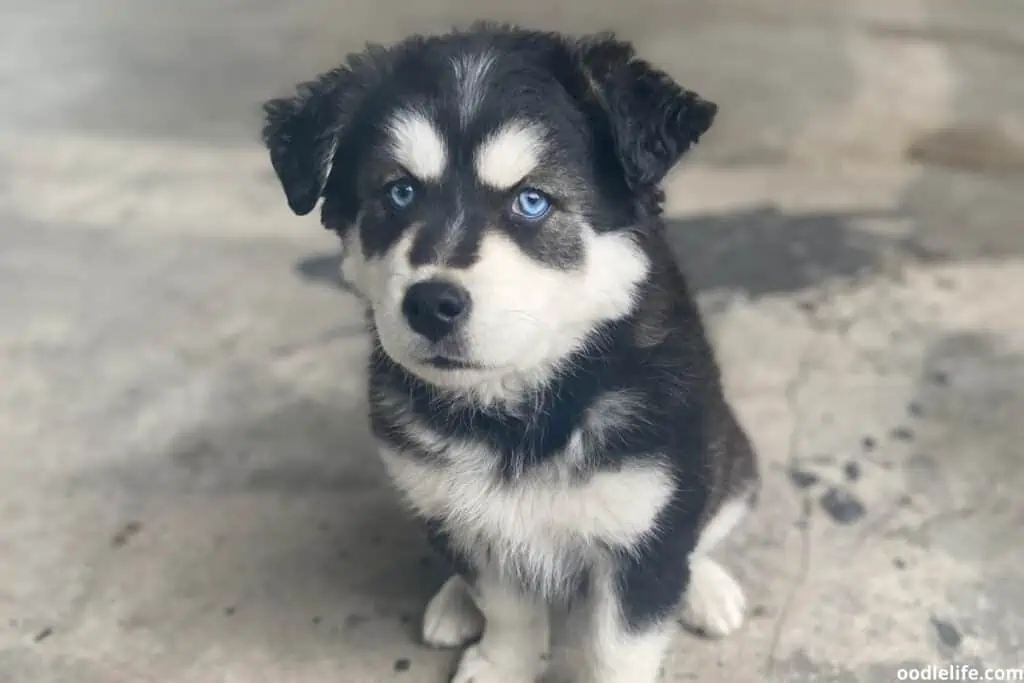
(541, 384)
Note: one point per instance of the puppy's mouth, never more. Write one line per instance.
(445, 354)
(448, 363)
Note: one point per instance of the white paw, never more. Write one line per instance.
(476, 667)
(451, 618)
(714, 602)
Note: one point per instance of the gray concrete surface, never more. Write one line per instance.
(187, 490)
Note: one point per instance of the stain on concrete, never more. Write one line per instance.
(948, 634)
(193, 455)
(974, 148)
(802, 478)
(842, 505)
(355, 620)
(902, 433)
(964, 471)
(949, 35)
(125, 534)
(980, 413)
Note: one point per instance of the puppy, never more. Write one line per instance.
(540, 384)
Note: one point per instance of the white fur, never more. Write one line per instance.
(451, 618)
(471, 76)
(417, 144)
(526, 317)
(328, 159)
(502, 665)
(618, 656)
(714, 602)
(728, 516)
(608, 414)
(509, 154)
(354, 268)
(515, 637)
(594, 645)
(540, 527)
(611, 412)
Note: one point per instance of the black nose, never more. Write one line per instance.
(435, 307)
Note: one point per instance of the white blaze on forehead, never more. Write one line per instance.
(417, 144)
(471, 77)
(509, 154)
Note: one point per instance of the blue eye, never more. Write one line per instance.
(531, 204)
(401, 194)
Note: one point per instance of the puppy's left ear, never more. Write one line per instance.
(304, 133)
(652, 119)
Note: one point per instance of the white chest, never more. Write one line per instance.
(538, 523)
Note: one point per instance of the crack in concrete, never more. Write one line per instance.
(820, 324)
(935, 521)
(803, 521)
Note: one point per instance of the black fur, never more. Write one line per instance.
(304, 133)
(652, 120)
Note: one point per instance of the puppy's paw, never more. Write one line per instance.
(477, 667)
(451, 618)
(714, 604)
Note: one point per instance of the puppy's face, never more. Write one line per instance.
(487, 187)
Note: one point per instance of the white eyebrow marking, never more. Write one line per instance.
(417, 144)
(509, 154)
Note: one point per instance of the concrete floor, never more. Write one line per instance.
(187, 490)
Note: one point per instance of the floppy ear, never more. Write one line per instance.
(303, 133)
(652, 120)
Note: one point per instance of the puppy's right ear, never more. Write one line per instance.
(303, 133)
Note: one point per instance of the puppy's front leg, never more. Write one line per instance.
(606, 639)
(515, 636)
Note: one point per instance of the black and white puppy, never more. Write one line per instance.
(541, 385)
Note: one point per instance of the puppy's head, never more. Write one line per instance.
(488, 187)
